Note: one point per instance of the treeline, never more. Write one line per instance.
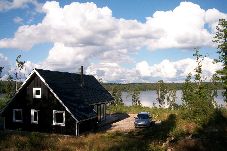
(150, 86)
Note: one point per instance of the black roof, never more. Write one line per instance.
(77, 98)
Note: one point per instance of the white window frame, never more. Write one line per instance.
(54, 118)
(14, 118)
(32, 116)
(34, 93)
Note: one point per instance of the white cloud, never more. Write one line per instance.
(184, 27)
(169, 71)
(18, 20)
(164, 69)
(82, 32)
(65, 58)
(6, 5)
(177, 70)
(84, 24)
(212, 16)
(112, 72)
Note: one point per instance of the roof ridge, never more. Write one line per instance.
(62, 72)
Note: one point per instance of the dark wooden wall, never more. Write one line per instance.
(46, 104)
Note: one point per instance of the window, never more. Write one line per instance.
(17, 115)
(59, 118)
(37, 93)
(34, 116)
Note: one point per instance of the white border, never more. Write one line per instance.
(54, 118)
(32, 116)
(14, 118)
(35, 95)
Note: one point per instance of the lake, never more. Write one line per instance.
(147, 98)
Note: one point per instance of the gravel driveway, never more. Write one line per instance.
(119, 122)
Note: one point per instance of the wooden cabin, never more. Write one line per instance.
(57, 102)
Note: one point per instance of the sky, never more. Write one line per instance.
(116, 41)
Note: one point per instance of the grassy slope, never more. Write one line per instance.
(173, 132)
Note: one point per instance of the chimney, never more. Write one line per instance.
(82, 76)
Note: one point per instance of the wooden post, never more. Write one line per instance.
(77, 129)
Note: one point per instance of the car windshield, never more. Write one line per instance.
(143, 116)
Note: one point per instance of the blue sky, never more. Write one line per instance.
(118, 41)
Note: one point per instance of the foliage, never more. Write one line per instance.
(116, 94)
(1, 68)
(198, 99)
(161, 92)
(166, 94)
(3, 101)
(20, 66)
(145, 86)
(1, 85)
(171, 98)
(156, 113)
(221, 40)
(135, 94)
(9, 90)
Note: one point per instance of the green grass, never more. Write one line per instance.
(156, 113)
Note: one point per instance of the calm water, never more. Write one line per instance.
(147, 98)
